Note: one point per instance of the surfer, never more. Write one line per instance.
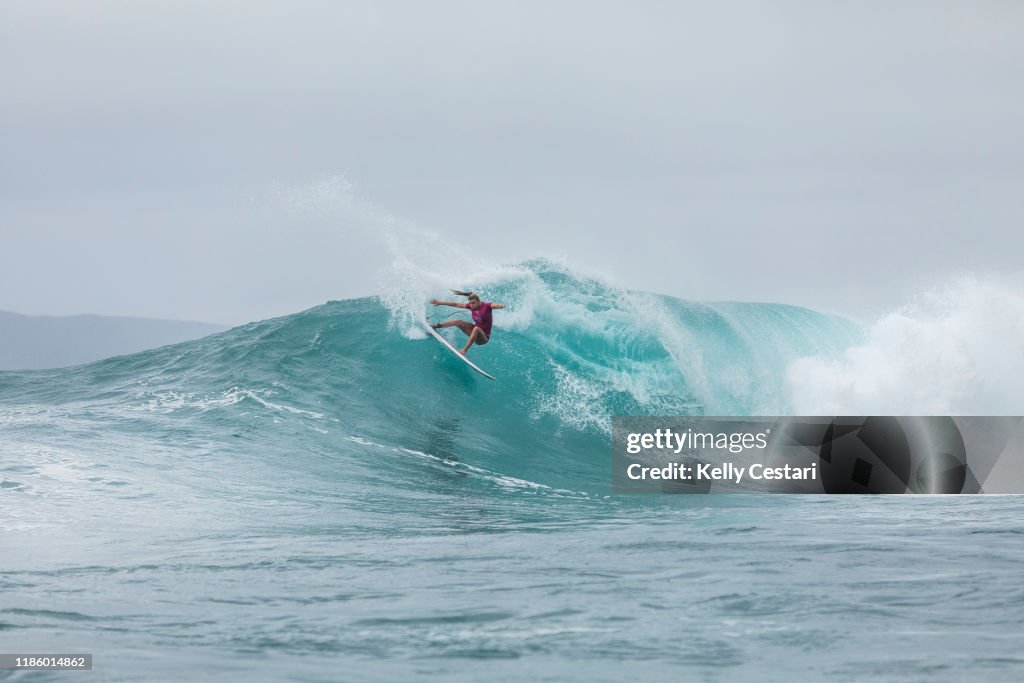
(478, 331)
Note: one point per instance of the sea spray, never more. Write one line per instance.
(956, 350)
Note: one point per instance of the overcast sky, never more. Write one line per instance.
(230, 161)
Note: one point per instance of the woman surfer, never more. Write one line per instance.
(478, 331)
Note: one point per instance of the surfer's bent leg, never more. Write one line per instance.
(463, 325)
(477, 336)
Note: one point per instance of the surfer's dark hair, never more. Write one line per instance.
(468, 295)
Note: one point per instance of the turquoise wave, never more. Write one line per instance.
(351, 380)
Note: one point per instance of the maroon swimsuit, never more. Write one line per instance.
(482, 317)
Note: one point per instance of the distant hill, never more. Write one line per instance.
(30, 342)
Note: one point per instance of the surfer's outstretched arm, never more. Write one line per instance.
(497, 305)
(456, 304)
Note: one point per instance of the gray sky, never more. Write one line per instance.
(190, 160)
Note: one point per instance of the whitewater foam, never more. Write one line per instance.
(958, 350)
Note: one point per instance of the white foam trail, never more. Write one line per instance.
(958, 351)
(171, 401)
(503, 480)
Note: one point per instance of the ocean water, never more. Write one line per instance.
(330, 496)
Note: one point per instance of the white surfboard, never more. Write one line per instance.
(454, 350)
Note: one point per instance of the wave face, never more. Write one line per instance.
(349, 377)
